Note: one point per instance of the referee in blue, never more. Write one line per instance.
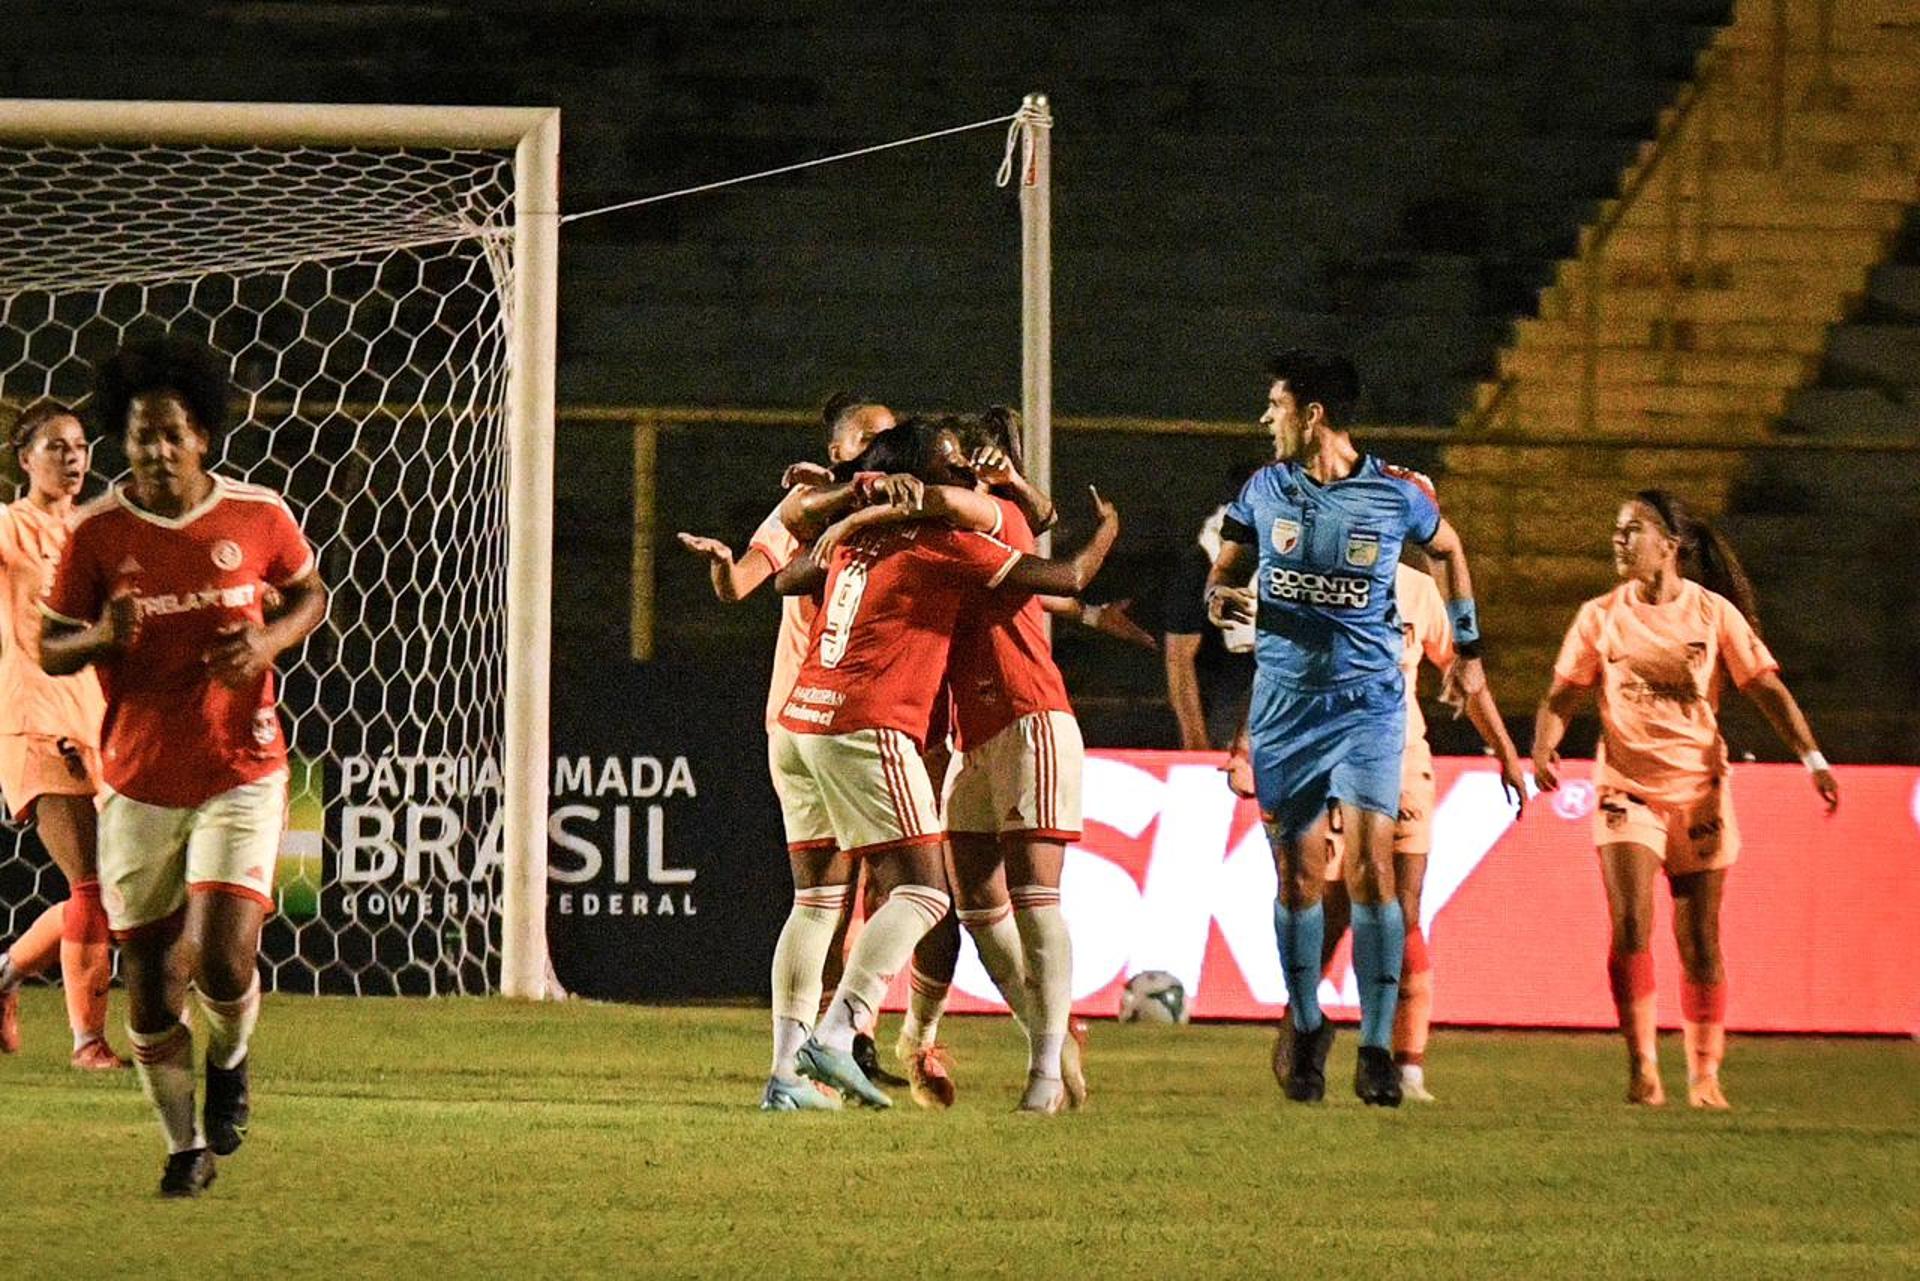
(1320, 531)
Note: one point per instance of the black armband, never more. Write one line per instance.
(1234, 531)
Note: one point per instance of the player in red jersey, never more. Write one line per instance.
(50, 740)
(1656, 652)
(161, 590)
(1001, 672)
(854, 783)
(850, 423)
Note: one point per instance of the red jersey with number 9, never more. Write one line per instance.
(878, 652)
(173, 735)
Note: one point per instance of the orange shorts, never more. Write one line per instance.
(36, 765)
(1700, 837)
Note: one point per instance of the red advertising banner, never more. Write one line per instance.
(1820, 925)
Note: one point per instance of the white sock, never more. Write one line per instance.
(884, 946)
(1048, 950)
(997, 940)
(797, 959)
(164, 1061)
(230, 1025)
(926, 1001)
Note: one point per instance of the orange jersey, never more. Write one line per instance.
(173, 735)
(1426, 632)
(1002, 664)
(32, 702)
(879, 648)
(1658, 668)
(776, 542)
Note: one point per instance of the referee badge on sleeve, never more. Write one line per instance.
(1286, 535)
(1363, 549)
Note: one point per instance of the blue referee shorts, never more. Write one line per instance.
(1311, 748)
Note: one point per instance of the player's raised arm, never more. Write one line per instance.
(733, 580)
(1069, 577)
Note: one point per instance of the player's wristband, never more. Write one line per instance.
(1090, 614)
(1814, 761)
(1466, 625)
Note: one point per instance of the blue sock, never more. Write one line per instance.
(1379, 946)
(1300, 934)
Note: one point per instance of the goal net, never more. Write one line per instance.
(366, 272)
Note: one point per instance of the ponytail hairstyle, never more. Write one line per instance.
(1705, 554)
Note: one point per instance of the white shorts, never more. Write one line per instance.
(153, 856)
(1024, 781)
(865, 792)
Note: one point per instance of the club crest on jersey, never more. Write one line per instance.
(227, 555)
(1286, 535)
(1363, 549)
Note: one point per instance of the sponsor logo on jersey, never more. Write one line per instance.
(226, 555)
(265, 726)
(1337, 591)
(1286, 535)
(1363, 549)
(207, 598)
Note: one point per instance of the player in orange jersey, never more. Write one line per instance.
(161, 589)
(859, 711)
(50, 740)
(1428, 635)
(1655, 652)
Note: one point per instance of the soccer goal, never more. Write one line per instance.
(383, 281)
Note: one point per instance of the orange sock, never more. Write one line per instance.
(34, 950)
(86, 963)
(1415, 1012)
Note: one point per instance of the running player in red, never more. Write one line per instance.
(854, 785)
(161, 590)
(50, 741)
(1656, 651)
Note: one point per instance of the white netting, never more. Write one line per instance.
(363, 297)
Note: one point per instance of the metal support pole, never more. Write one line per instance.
(1036, 295)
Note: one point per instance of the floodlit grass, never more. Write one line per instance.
(430, 1140)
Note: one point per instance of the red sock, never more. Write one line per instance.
(1416, 960)
(86, 962)
(1703, 1002)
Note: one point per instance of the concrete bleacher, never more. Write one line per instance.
(1745, 306)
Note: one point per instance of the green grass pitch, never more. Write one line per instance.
(434, 1140)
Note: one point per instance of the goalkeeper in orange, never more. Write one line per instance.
(49, 740)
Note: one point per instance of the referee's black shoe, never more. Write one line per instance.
(1376, 1077)
(1306, 1077)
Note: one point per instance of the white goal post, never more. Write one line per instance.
(64, 167)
